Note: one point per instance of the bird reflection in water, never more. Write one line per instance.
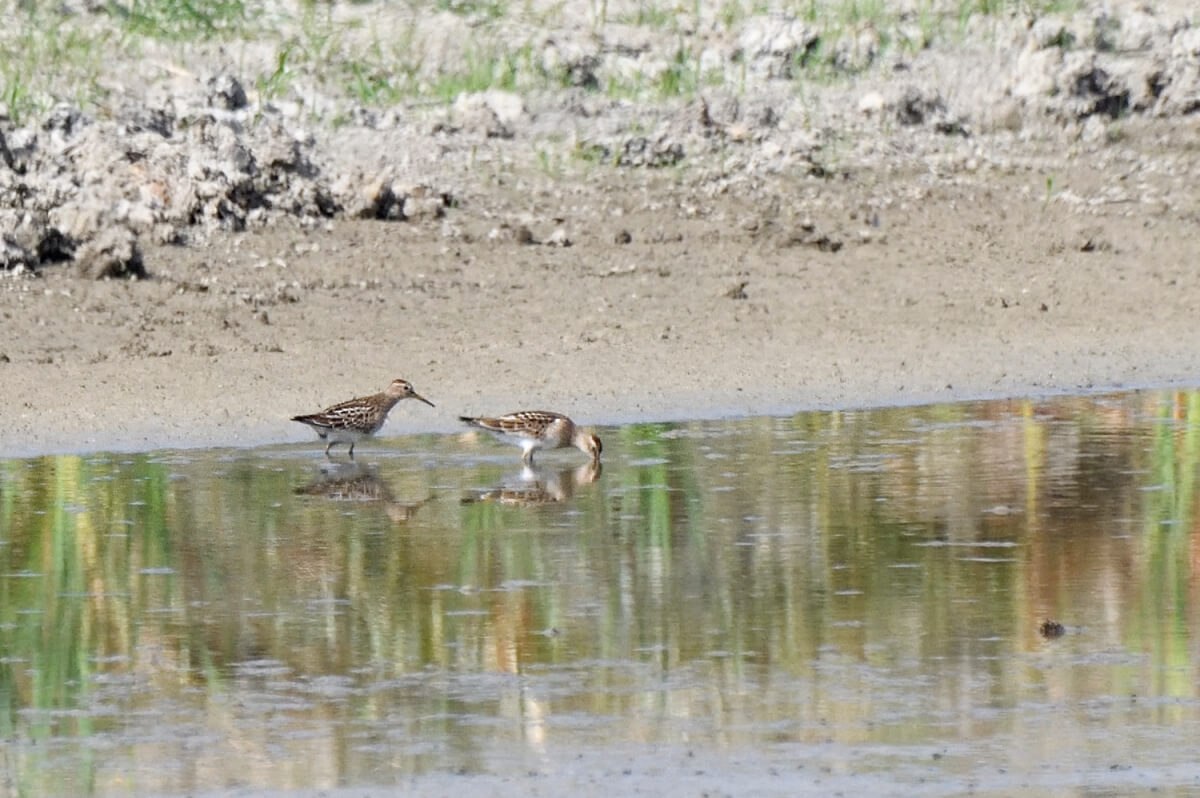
(534, 486)
(350, 482)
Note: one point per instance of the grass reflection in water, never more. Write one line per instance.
(862, 577)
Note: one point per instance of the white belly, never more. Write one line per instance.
(342, 435)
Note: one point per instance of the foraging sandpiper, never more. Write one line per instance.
(538, 429)
(349, 421)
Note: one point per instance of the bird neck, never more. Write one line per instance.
(580, 440)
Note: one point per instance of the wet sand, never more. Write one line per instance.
(716, 306)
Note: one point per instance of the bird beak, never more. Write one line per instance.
(423, 399)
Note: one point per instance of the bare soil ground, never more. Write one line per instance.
(958, 287)
(1004, 216)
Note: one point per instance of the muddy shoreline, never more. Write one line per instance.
(692, 318)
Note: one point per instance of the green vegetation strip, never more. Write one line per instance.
(378, 53)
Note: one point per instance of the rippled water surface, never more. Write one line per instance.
(776, 605)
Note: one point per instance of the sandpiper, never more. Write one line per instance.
(538, 429)
(347, 422)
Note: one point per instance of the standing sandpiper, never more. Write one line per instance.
(538, 429)
(347, 422)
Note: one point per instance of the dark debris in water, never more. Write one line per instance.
(1050, 629)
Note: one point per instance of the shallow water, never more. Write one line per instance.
(776, 605)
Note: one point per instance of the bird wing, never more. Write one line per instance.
(529, 422)
(339, 416)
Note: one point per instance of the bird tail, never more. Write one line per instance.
(312, 420)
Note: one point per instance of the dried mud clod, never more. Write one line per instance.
(203, 146)
(74, 188)
(114, 252)
(14, 257)
(813, 238)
